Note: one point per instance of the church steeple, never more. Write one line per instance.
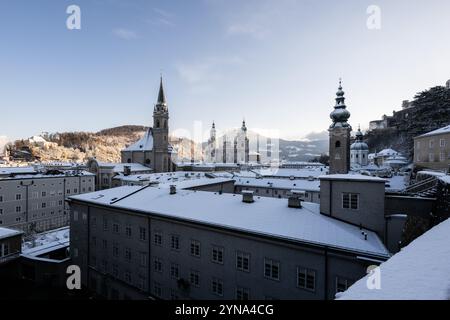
(161, 96)
(340, 113)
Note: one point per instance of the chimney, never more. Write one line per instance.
(173, 189)
(247, 196)
(295, 199)
(126, 170)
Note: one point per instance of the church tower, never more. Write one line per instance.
(162, 161)
(340, 136)
(211, 150)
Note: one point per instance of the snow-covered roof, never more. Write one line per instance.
(17, 170)
(420, 271)
(443, 130)
(431, 173)
(266, 216)
(43, 175)
(46, 242)
(352, 177)
(143, 144)
(296, 173)
(387, 153)
(299, 184)
(6, 232)
(445, 179)
(119, 167)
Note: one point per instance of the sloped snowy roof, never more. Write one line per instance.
(420, 271)
(443, 130)
(387, 152)
(143, 144)
(266, 216)
(16, 170)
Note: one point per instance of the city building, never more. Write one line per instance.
(432, 149)
(34, 201)
(106, 172)
(339, 130)
(359, 151)
(10, 245)
(166, 243)
(153, 149)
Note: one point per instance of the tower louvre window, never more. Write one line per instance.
(337, 144)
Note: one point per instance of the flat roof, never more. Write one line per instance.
(6, 232)
(300, 184)
(266, 216)
(352, 177)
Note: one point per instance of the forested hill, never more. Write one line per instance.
(430, 110)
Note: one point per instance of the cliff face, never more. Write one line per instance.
(430, 110)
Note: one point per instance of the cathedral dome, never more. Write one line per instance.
(359, 144)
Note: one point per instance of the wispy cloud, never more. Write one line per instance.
(202, 75)
(125, 34)
(162, 18)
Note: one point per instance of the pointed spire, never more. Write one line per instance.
(161, 96)
(244, 127)
(213, 125)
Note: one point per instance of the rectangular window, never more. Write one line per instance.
(194, 278)
(350, 201)
(105, 224)
(18, 209)
(342, 284)
(242, 293)
(271, 269)
(431, 157)
(157, 289)
(442, 156)
(195, 248)
(143, 259)
(115, 249)
(43, 205)
(431, 144)
(44, 194)
(128, 231)
(142, 233)
(18, 196)
(115, 270)
(175, 242)
(243, 261)
(306, 278)
(115, 227)
(1, 198)
(157, 239)
(217, 287)
(442, 143)
(105, 244)
(157, 265)
(217, 254)
(174, 271)
(127, 276)
(128, 254)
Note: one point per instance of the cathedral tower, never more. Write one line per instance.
(340, 136)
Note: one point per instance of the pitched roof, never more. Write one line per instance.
(143, 144)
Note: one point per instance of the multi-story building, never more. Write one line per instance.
(432, 149)
(36, 201)
(135, 243)
(10, 245)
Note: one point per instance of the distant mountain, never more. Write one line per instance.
(106, 145)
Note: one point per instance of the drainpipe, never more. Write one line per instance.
(326, 274)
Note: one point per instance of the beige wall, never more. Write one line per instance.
(432, 152)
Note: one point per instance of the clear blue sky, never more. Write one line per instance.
(274, 62)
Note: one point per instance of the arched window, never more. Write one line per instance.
(337, 144)
(158, 124)
(129, 160)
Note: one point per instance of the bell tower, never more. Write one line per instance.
(162, 161)
(340, 136)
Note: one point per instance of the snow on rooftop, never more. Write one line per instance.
(267, 216)
(352, 177)
(143, 144)
(6, 232)
(443, 130)
(387, 152)
(445, 179)
(300, 184)
(296, 173)
(16, 170)
(420, 271)
(47, 241)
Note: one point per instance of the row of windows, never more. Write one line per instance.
(43, 194)
(442, 143)
(432, 158)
